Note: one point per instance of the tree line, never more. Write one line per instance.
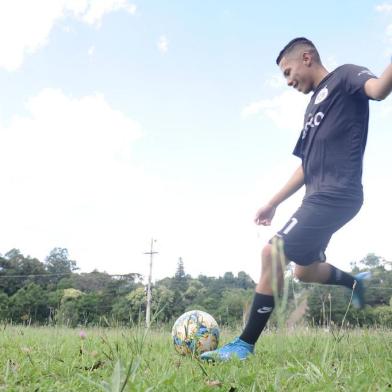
(54, 292)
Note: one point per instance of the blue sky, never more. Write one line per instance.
(120, 121)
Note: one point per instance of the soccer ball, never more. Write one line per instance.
(195, 332)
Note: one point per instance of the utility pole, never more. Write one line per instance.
(148, 308)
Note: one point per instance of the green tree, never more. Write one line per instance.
(371, 261)
(88, 282)
(233, 305)
(179, 285)
(326, 303)
(17, 271)
(180, 272)
(29, 303)
(121, 310)
(132, 307)
(58, 263)
(193, 291)
(244, 281)
(68, 312)
(163, 300)
(137, 303)
(4, 306)
(92, 308)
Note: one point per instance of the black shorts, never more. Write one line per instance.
(307, 233)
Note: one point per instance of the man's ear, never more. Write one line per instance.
(307, 59)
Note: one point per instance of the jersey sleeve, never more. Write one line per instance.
(298, 148)
(355, 78)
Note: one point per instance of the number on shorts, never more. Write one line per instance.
(290, 226)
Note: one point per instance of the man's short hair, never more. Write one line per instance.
(294, 44)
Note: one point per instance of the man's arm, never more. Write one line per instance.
(295, 182)
(265, 214)
(380, 88)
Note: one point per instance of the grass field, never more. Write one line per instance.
(59, 359)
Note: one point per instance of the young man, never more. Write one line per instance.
(331, 147)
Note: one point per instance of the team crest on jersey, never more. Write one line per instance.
(366, 72)
(321, 96)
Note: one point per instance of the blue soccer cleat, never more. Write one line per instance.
(358, 300)
(236, 348)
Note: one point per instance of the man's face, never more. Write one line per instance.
(297, 73)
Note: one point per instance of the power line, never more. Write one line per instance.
(61, 274)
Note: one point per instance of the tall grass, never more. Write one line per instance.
(121, 359)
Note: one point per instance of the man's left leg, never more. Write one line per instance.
(321, 272)
(314, 226)
(325, 273)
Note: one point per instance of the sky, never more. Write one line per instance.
(124, 121)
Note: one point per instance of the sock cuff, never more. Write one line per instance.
(264, 299)
(340, 278)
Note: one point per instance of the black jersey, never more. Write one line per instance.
(333, 140)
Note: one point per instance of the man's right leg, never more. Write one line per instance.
(263, 300)
(261, 309)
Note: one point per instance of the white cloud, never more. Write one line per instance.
(91, 50)
(285, 110)
(276, 81)
(67, 29)
(25, 25)
(385, 7)
(163, 44)
(389, 32)
(69, 177)
(66, 142)
(330, 63)
(92, 11)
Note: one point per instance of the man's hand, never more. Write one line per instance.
(380, 88)
(265, 214)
